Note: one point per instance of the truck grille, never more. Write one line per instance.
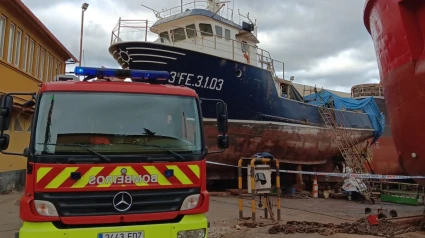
(101, 203)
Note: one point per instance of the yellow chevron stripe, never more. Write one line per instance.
(64, 175)
(117, 172)
(161, 179)
(195, 169)
(179, 174)
(84, 180)
(41, 172)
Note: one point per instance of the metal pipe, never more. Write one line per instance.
(83, 9)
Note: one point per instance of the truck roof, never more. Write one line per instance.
(118, 87)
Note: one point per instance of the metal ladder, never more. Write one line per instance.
(348, 148)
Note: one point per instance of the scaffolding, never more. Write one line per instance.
(355, 157)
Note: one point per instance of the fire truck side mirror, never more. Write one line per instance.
(223, 141)
(4, 142)
(6, 112)
(221, 112)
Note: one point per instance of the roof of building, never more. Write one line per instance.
(37, 21)
(310, 90)
(117, 87)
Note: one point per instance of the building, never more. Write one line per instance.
(29, 54)
(305, 90)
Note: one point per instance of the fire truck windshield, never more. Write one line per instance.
(113, 123)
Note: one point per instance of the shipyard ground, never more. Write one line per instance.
(224, 211)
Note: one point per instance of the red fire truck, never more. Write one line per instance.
(114, 159)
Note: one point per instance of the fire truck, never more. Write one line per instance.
(114, 159)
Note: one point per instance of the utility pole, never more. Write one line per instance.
(83, 9)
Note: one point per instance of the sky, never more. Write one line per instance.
(321, 42)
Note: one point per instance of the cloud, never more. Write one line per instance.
(321, 42)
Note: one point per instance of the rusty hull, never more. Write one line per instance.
(289, 143)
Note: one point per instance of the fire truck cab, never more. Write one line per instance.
(111, 159)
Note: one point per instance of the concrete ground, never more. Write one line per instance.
(224, 211)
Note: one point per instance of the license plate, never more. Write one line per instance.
(131, 234)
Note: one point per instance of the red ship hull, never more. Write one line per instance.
(397, 28)
(385, 157)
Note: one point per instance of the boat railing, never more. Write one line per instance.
(181, 8)
(139, 30)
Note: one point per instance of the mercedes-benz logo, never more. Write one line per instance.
(122, 201)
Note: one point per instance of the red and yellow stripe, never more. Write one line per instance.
(58, 177)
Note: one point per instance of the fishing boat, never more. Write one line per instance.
(384, 153)
(397, 30)
(205, 49)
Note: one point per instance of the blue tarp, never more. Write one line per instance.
(368, 105)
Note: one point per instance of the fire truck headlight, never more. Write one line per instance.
(190, 202)
(199, 233)
(45, 208)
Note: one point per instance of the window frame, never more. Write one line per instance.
(3, 21)
(26, 48)
(11, 44)
(192, 30)
(206, 33)
(37, 60)
(41, 71)
(183, 37)
(225, 34)
(166, 34)
(31, 56)
(18, 46)
(217, 28)
(48, 66)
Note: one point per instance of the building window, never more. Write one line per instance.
(56, 67)
(30, 126)
(17, 126)
(48, 69)
(31, 57)
(219, 31)
(11, 40)
(191, 31)
(43, 52)
(206, 29)
(227, 34)
(26, 42)
(18, 43)
(37, 60)
(51, 67)
(2, 34)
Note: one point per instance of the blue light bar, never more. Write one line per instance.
(133, 74)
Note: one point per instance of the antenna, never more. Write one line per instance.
(157, 14)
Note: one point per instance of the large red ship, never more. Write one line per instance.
(397, 28)
(384, 153)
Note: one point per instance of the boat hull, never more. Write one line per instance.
(252, 100)
(292, 144)
(398, 31)
(385, 158)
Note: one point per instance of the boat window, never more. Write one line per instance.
(227, 34)
(206, 29)
(219, 31)
(244, 46)
(164, 35)
(178, 34)
(191, 31)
